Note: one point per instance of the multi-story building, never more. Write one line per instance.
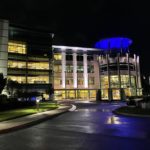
(26, 57)
(119, 69)
(107, 72)
(76, 73)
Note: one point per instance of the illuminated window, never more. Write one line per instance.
(104, 82)
(58, 68)
(104, 94)
(19, 79)
(125, 81)
(70, 94)
(133, 81)
(38, 65)
(69, 81)
(57, 57)
(83, 94)
(92, 94)
(38, 79)
(69, 68)
(16, 64)
(91, 80)
(17, 47)
(57, 81)
(139, 92)
(114, 81)
(80, 81)
(116, 94)
(59, 95)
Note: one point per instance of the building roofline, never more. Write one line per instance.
(75, 48)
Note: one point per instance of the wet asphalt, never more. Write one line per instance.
(90, 127)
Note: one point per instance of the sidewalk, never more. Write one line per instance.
(14, 124)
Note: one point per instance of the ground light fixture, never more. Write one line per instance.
(37, 102)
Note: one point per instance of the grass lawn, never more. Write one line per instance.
(15, 113)
(133, 110)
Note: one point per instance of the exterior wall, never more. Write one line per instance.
(75, 83)
(115, 77)
(102, 77)
(29, 60)
(125, 70)
(4, 25)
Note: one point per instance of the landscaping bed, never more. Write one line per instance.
(132, 110)
(20, 112)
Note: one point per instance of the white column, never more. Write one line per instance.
(85, 74)
(139, 73)
(75, 70)
(63, 69)
(4, 25)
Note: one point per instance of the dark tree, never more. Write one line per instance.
(2, 82)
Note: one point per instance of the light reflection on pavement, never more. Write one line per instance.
(89, 127)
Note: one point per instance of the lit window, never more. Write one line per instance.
(57, 81)
(69, 81)
(133, 81)
(70, 94)
(83, 94)
(38, 65)
(124, 81)
(16, 64)
(104, 94)
(91, 81)
(17, 47)
(38, 79)
(58, 68)
(104, 82)
(80, 81)
(114, 81)
(57, 57)
(19, 79)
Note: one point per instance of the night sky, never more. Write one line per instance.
(83, 22)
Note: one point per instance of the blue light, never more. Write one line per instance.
(113, 43)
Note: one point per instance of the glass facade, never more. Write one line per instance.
(114, 81)
(104, 82)
(75, 94)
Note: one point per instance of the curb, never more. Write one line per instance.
(130, 115)
(34, 122)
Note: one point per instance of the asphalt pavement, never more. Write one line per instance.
(90, 127)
